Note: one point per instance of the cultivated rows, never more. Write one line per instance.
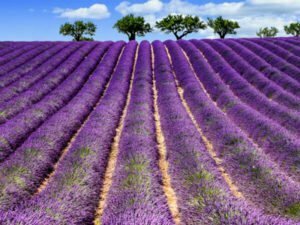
(186, 132)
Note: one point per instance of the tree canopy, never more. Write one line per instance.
(133, 26)
(180, 25)
(222, 27)
(78, 30)
(267, 32)
(293, 29)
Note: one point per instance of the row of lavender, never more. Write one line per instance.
(245, 91)
(136, 195)
(239, 100)
(48, 141)
(57, 53)
(254, 75)
(290, 120)
(36, 141)
(22, 94)
(136, 188)
(263, 64)
(251, 169)
(16, 130)
(29, 60)
(78, 176)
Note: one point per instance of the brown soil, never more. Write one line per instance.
(112, 159)
(209, 146)
(69, 144)
(163, 163)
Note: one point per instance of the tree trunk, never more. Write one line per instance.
(177, 37)
(183, 35)
(221, 35)
(77, 38)
(132, 37)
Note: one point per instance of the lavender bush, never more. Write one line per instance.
(33, 76)
(136, 196)
(40, 89)
(30, 119)
(241, 157)
(247, 93)
(203, 195)
(48, 141)
(186, 132)
(24, 63)
(273, 91)
(273, 59)
(274, 74)
(76, 185)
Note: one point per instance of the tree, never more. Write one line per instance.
(133, 26)
(267, 32)
(180, 25)
(222, 27)
(293, 29)
(78, 30)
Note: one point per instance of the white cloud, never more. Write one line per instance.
(271, 2)
(150, 6)
(250, 25)
(151, 19)
(96, 11)
(234, 9)
(178, 6)
(208, 9)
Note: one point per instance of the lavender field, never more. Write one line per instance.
(175, 132)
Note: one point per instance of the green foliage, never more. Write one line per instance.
(73, 176)
(267, 32)
(180, 25)
(84, 152)
(30, 153)
(199, 176)
(133, 26)
(78, 30)
(205, 195)
(137, 174)
(2, 113)
(222, 27)
(15, 175)
(293, 29)
(294, 210)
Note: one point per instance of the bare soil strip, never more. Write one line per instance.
(69, 144)
(112, 159)
(233, 188)
(208, 95)
(163, 163)
(221, 110)
(64, 152)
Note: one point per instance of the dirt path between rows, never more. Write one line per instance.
(112, 159)
(71, 141)
(163, 163)
(209, 147)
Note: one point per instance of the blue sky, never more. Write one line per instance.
(40, 19)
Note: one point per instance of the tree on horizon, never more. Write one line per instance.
(222, 27)
(180, 25)
(267, 32)
(293, 29)
(133, 26)
(78, 30)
